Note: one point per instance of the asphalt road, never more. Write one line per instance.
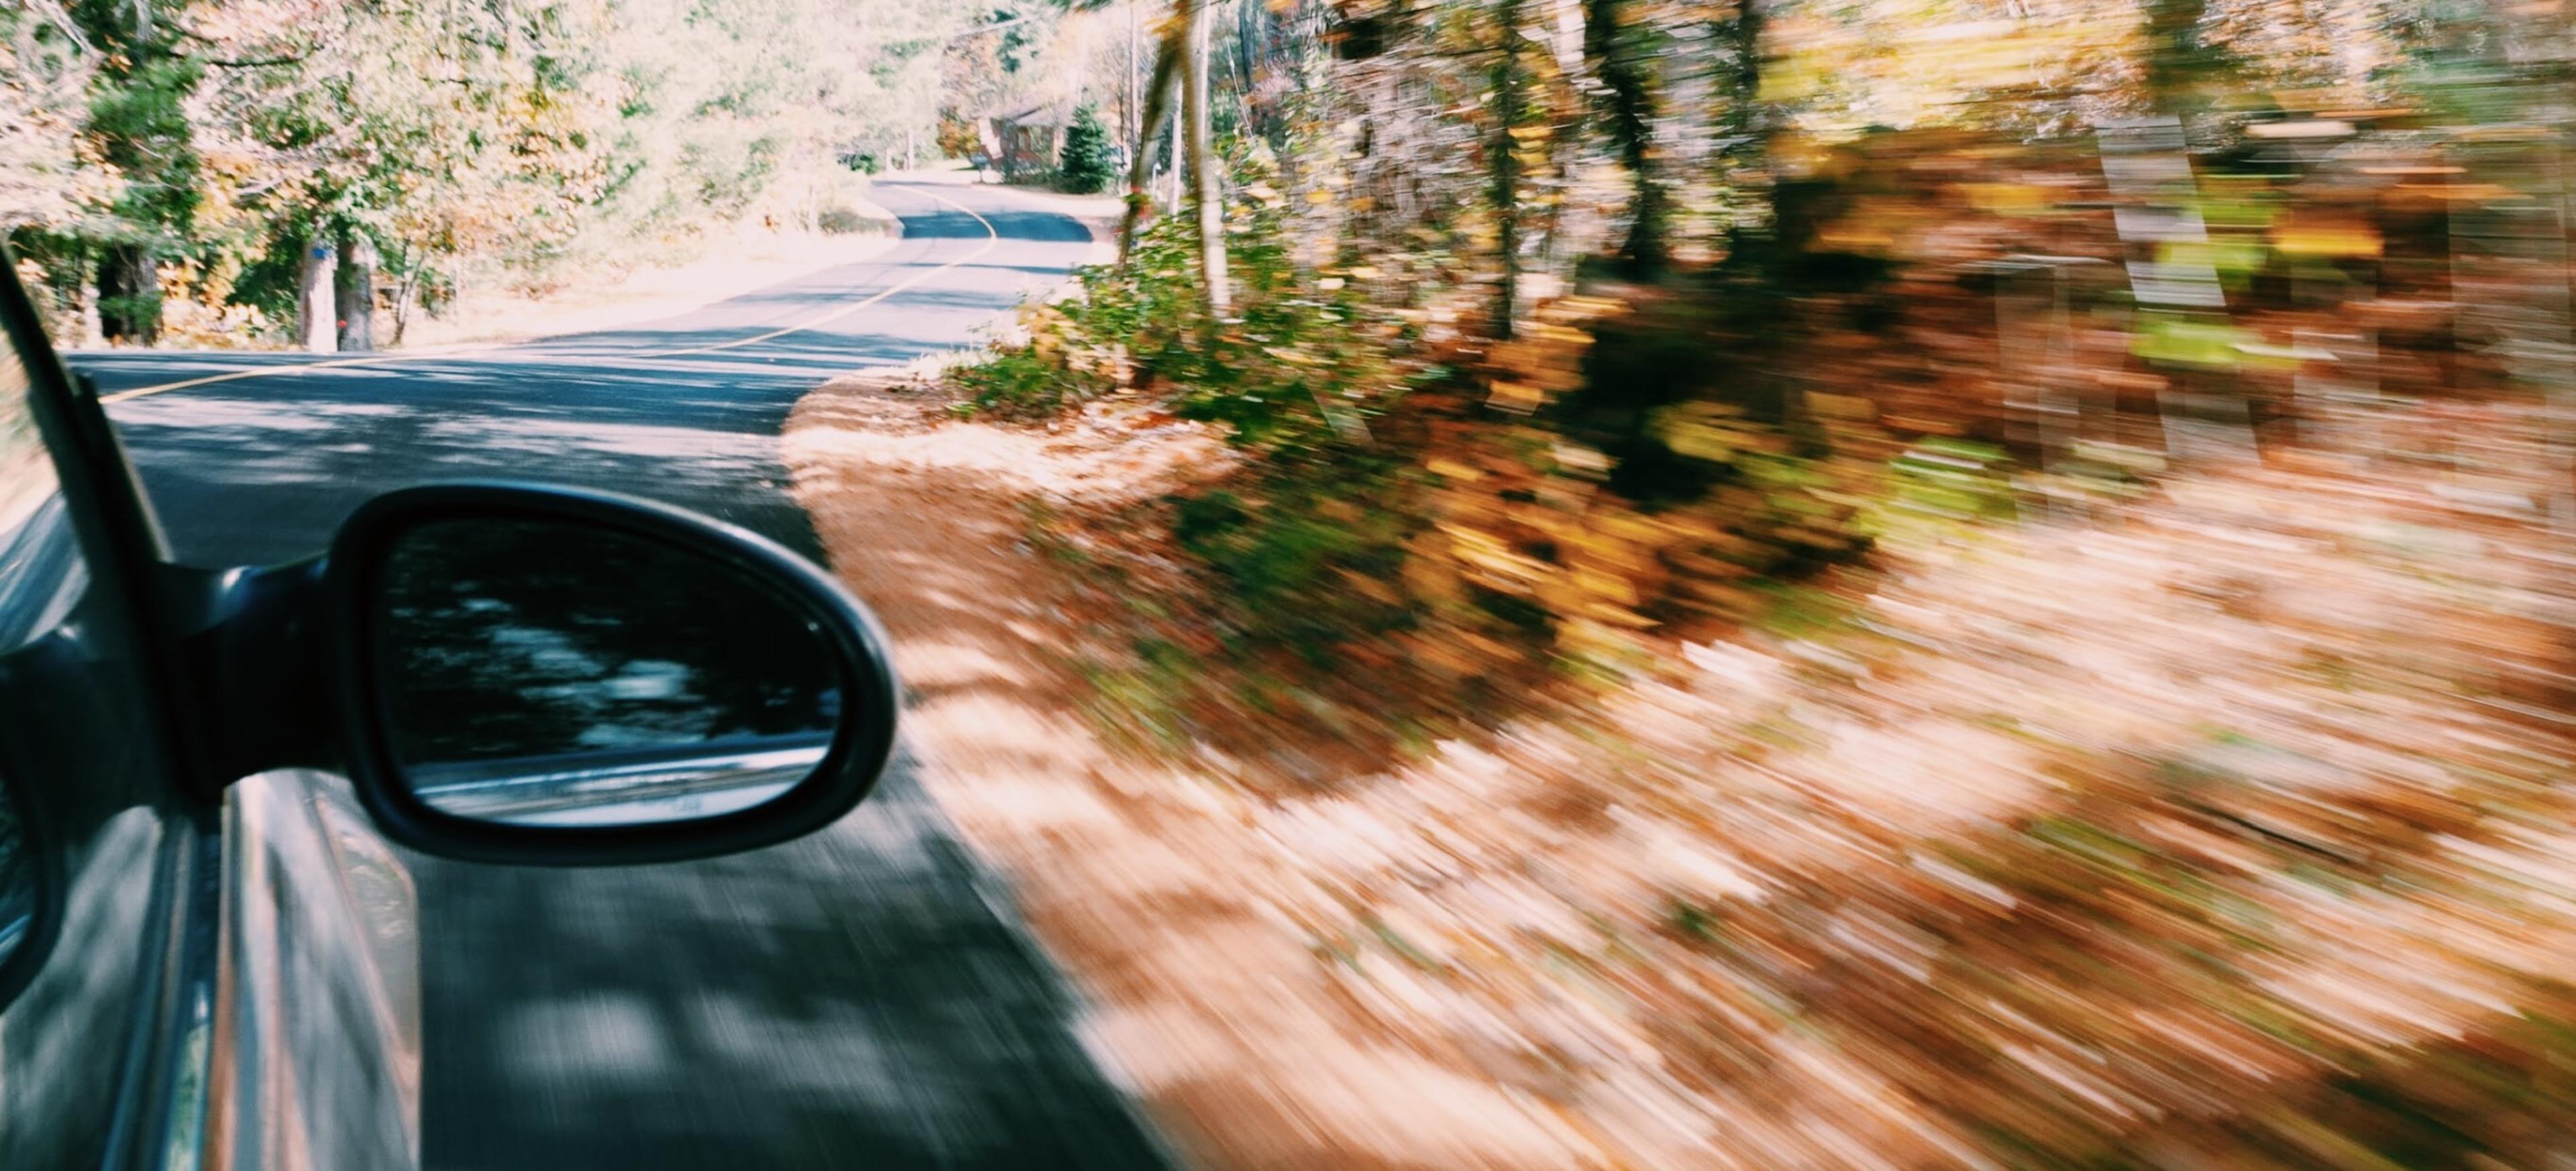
(860, 998)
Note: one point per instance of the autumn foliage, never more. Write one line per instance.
(2014, 640)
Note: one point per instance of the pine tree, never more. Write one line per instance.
(1085, 165)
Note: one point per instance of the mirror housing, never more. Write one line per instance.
(846, 757)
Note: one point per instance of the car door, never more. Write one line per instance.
(314, 1056)
(108, 886)
(229, 982)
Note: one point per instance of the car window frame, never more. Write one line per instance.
(121, 543)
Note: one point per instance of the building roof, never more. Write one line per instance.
(1049, 112)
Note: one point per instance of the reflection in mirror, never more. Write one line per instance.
(548, 672)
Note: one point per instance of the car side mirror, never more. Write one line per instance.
(542, 675)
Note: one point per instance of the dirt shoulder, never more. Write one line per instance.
(1147, 887)
(2272, 757)
(1204, 999)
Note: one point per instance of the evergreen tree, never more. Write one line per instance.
(1085, 165)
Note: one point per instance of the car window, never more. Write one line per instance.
(41, 575)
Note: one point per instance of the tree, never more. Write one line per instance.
(201, 146)
(356, 285)
(1207, 189)
(1181, 63)
(1085, 165)
(1170, 45)
(2180, 62)
(1622, 49)
(1742, 120)
(47, 180)
(1504, 158)
(139, 125)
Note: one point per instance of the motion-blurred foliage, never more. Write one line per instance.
(1634, 378)
(1480, 481)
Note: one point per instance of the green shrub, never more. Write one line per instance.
(1022, 382)
(1085, 166)
(1394, 551)
(1291, 370)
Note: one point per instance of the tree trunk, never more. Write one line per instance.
(357, 295)
(1130, 130)
(1506, 166)
(1624, 61)
(129, 295)
(84, 311)
(406, 293)
(989, 137)
(1208, 186)
(1744, 157)
(316, 305)
(2179, 65)
(1169, 47)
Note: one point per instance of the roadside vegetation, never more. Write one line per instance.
(1863, 586)
(1647, 584)
(249, 172)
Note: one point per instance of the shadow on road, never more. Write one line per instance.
(850, 999)
(853, 1004)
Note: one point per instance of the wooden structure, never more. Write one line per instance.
(1027, 141)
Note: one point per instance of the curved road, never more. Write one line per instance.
(860, 998)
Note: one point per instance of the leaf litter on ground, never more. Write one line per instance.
(2225, 828)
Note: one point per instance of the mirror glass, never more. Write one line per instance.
(550, 672)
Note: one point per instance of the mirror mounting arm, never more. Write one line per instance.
(255, 662)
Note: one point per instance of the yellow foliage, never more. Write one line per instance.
(2005, 198)
(2312, 238)
(1841, 406)
(1428, 573)
(1516, 397)
(1703, 430)
(1850, 236)
(1606, 585)
(1493, 564)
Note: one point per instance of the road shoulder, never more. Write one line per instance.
(1147, 887)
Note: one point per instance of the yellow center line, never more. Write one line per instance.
(992, 240)
(265, 371)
